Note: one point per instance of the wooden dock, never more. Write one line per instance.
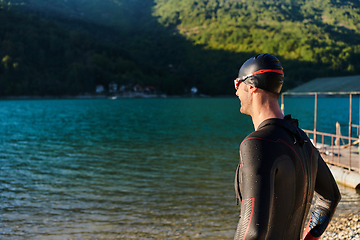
(343, 163)
(341, 157)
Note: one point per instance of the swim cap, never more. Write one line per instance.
(263, 71)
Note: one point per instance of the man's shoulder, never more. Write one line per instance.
(259, 139)
(267, 132)
(273, 131)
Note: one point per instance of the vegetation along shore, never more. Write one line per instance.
(50, 47)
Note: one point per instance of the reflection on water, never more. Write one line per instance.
(126, 168)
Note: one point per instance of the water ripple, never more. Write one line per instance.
(123, 169)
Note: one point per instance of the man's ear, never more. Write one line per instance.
(253, 89)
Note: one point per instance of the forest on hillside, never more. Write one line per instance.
(68, 47)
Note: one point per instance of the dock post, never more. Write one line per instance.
(315, 117)
(350, 112)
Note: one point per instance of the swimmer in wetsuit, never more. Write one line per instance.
(279, 168)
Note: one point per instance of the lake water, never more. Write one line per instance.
(130, 168)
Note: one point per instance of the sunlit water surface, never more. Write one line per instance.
(127, 168)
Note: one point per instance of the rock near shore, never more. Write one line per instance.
(343, 227)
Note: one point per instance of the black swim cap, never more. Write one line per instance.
(263, 71)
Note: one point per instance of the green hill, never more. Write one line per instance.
(53, 47)
(317, 32)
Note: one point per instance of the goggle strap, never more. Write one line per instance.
(268, 70)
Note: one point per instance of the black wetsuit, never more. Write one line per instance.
(279, 171)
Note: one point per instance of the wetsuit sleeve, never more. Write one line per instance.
(248, 226)
(328, 197)
(256, 185)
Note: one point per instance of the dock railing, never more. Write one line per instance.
(347, 155)
(339, 155)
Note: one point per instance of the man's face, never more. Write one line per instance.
(243, 94)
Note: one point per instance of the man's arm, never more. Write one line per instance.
(325, 205)
(257, 176)
(255, 203)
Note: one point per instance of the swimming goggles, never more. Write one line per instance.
(237, 81)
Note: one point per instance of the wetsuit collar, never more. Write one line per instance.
(287, 120)
(289, 124)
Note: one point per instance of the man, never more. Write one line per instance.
(279, 168)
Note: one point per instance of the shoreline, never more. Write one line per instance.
(343, 226)
(112, 96)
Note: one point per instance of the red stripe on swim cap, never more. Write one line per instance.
(268, 70)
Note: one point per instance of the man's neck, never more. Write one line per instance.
(266, 111)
